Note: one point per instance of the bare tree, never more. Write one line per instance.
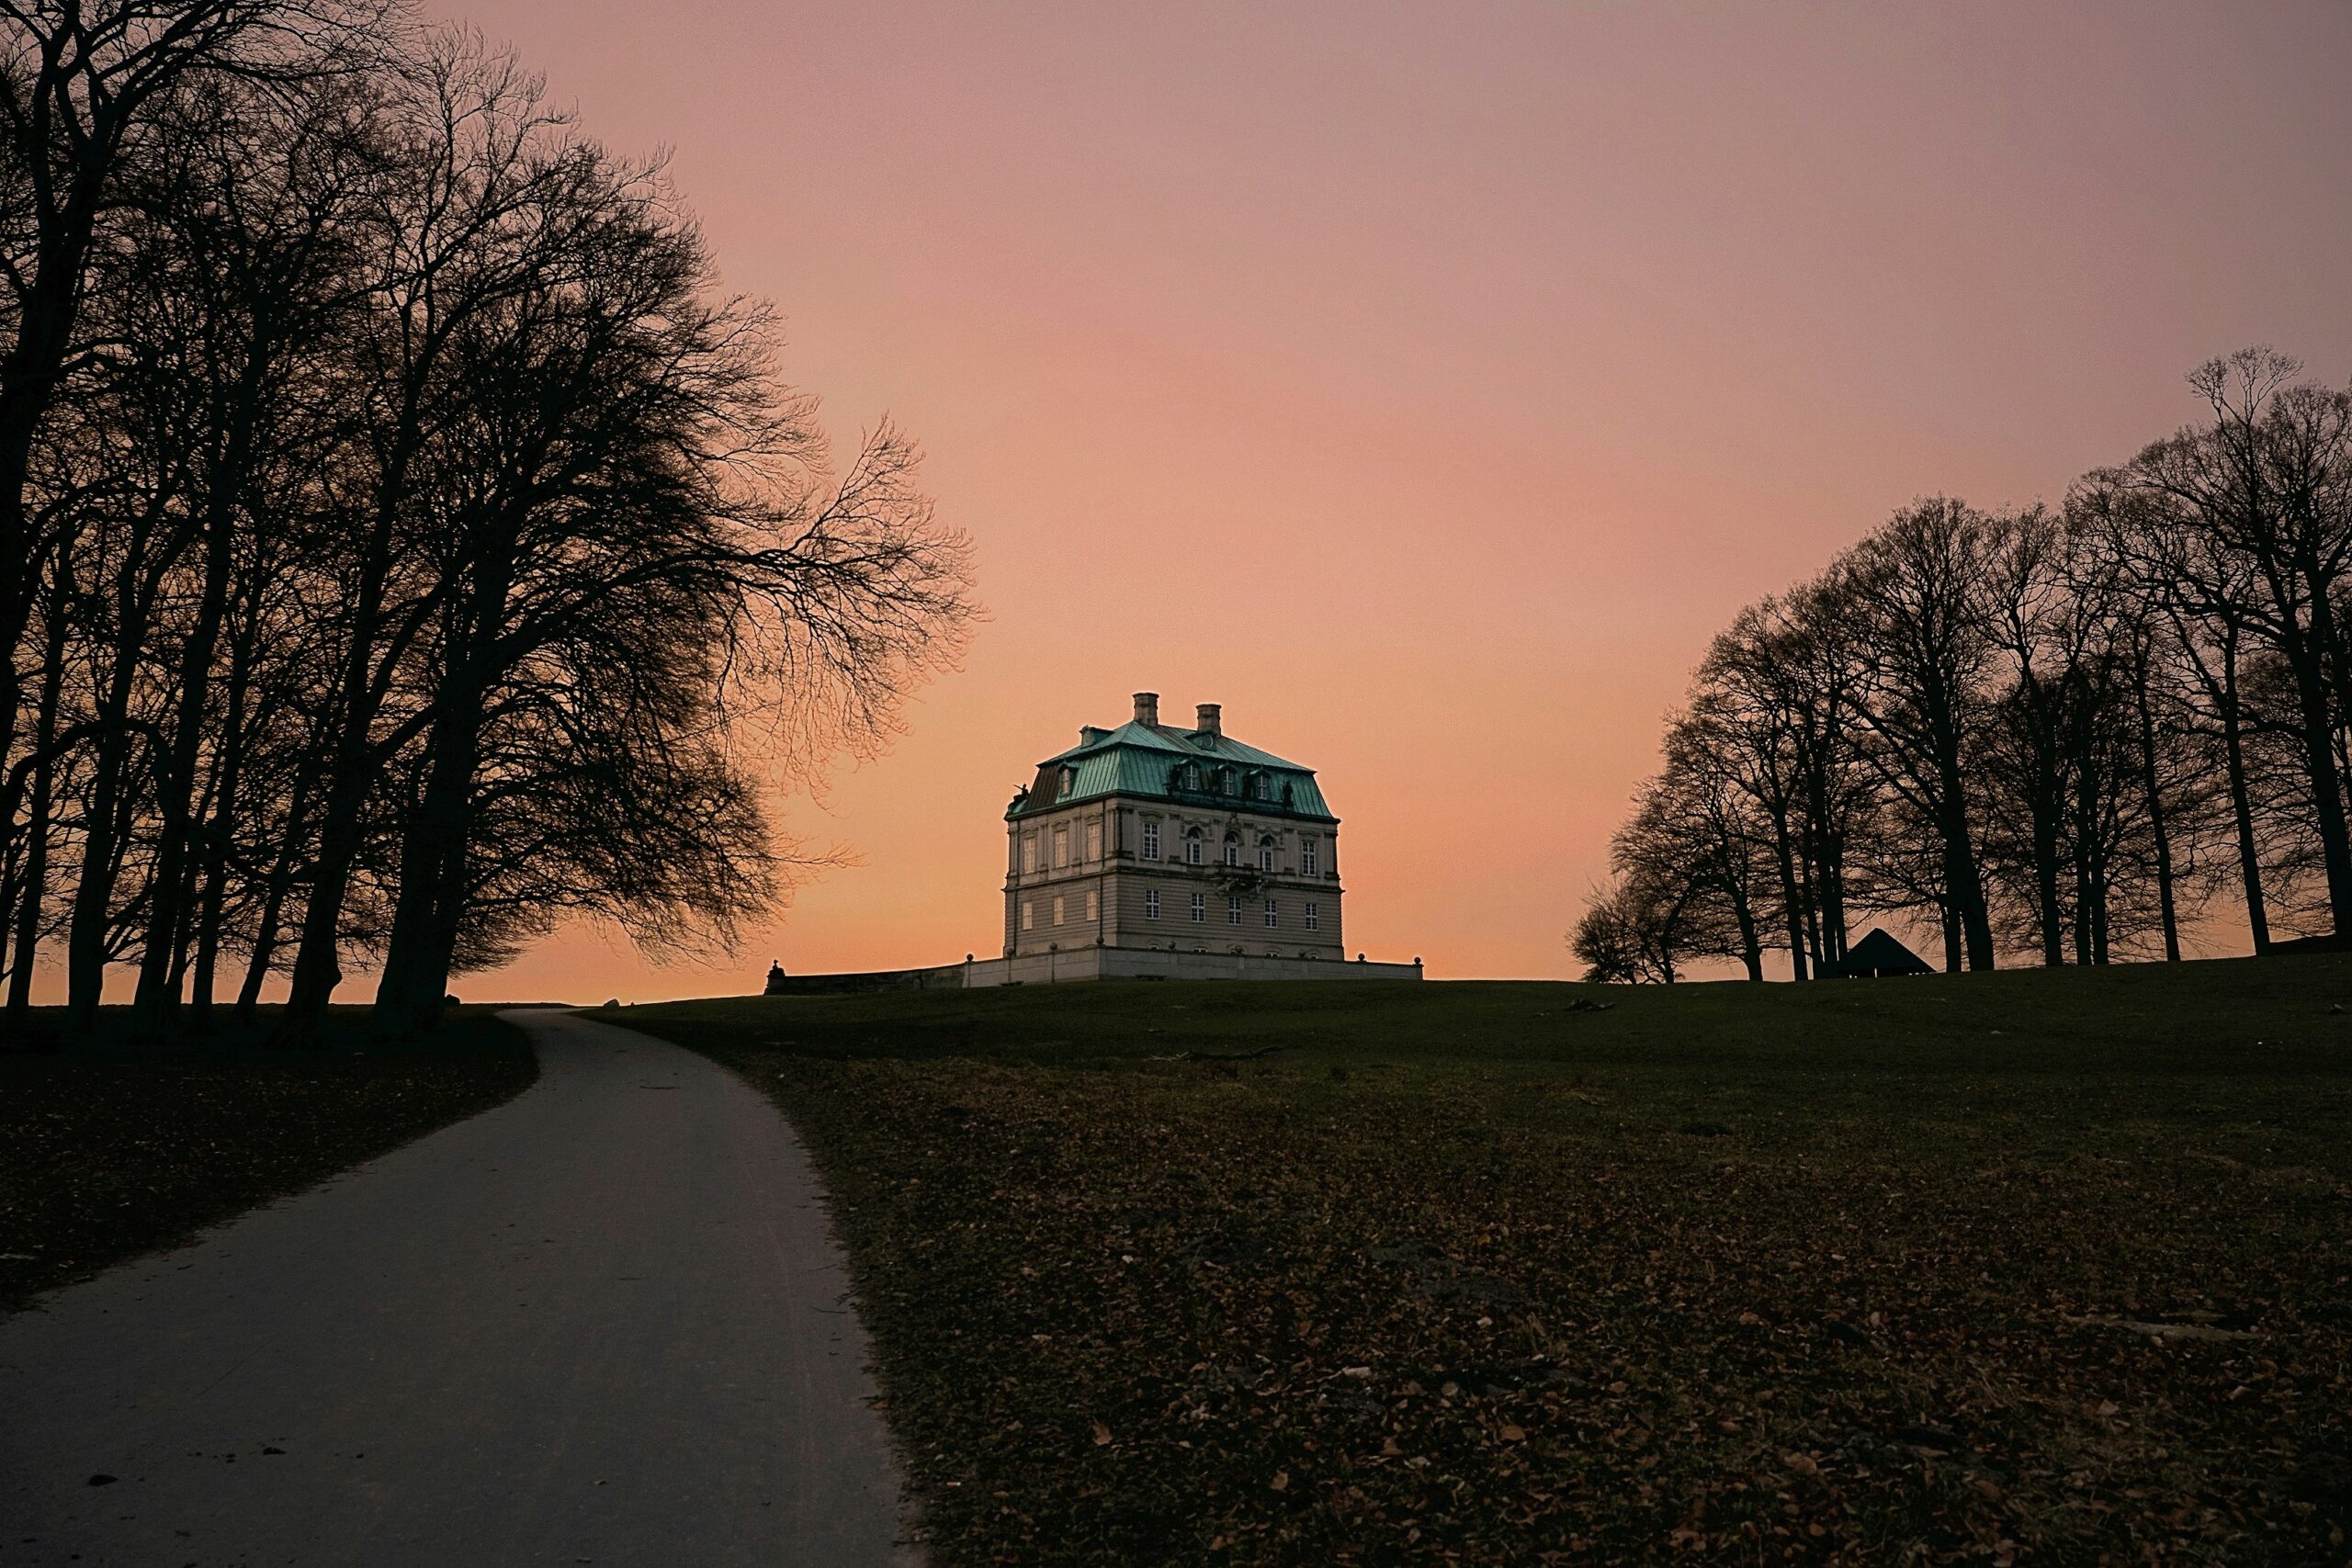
(2264, 496)
(421, 550)
(2191, 596)
(1916, 591)
(80, 88)
(1744, 717)
(1635, 931)
(1695, 831)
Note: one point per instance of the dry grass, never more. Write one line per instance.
(1459, 1274)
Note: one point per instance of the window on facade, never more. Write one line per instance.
(1061, 846)
(1191, 846)
(1274, 913)
(1151, 903)
(1029, 852)
(1266, 852)
(1233, 848)
(1306, 857)
(1151, 840)
(1094, 841)
(1025, 914)
(1058, 911)
(1199, 909)
(1233, 911)
(1093, 907)
(1314, 917)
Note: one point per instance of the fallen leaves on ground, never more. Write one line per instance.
(1175, 1317)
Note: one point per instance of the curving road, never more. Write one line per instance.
(602, 1323)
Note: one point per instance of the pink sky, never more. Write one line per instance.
(1427, 384)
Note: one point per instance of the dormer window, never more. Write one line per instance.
(1225, 781)
(1070, 780)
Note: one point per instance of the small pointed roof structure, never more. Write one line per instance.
(1878, 955)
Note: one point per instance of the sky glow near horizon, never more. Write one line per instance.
(1427, 384)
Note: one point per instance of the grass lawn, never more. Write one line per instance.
(2032, 1267)
(108, 1150)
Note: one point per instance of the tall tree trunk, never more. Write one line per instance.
(157, 1001)
(34, 897)
(1791, 903)
(212, 845)
(2045, 872)
(1966, 884)
(2101, 889)
(85, 936)
(268, 931)
(30, 372)
(1811, 910)
(257, 963)
(205, 969)
(2082, 904)
(2152, 787)
(1833, 894)
(1751, 946)
(318, 967)
(433, 850)
(422, 944)
(2318, 734)
(2241, 802)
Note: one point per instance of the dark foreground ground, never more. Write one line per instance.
(600, 1322)
(109, 1150)
(2021, 1267)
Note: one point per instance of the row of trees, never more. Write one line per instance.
(2071, 734)
(404, 545)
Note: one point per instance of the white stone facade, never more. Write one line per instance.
(1200, 866)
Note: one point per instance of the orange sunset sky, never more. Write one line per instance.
(1427, 383)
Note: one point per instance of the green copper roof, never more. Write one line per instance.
(1151, 760)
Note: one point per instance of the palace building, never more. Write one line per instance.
(1159, 837)
(1154, 853)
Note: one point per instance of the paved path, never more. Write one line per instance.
(602, 1323)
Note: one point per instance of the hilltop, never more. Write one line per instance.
(1965, 1266)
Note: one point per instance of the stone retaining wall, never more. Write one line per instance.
(1094, 964)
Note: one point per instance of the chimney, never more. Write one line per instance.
(1210, 723)
(1147, 707)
